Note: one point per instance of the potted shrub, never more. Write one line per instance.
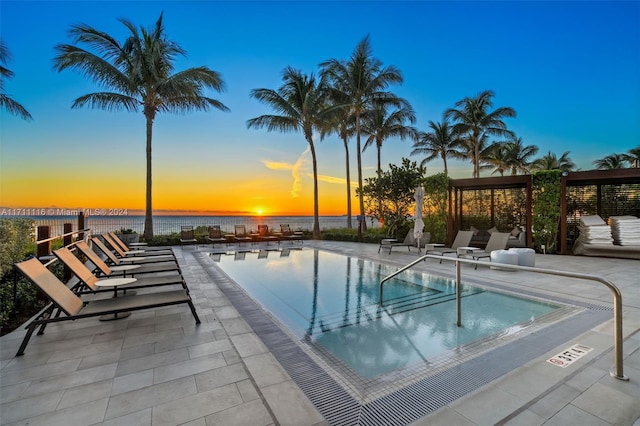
(128, 236)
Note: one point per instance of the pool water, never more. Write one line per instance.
(331, 300)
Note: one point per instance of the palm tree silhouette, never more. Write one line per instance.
(12, 106)
(140, 74)
(302, 106)
(441, 142)
(361, 80)
(551, 162)
(473, 122)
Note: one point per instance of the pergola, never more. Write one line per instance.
(458, 188)
(608, 188)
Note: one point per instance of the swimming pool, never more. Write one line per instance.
(330, 302)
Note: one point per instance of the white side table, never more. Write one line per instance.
(115, 283)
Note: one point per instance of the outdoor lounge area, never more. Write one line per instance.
(158, 367)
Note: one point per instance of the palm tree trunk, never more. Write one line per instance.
(346, 150)
(316, 223)
(359, 157)
(148, 214)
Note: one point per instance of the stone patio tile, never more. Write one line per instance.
(248, 344)
(71, 380)
(611, 405)
(193, 407)
(554, 401)
(444, 416)
(247, 390)
(151, 337)
(184, 341)
(130, 402)
(29, 407)
(12, 392)
(187, 368)
(137, 351)
(488, 405)
(234, 326)
(221, 376)
(84, 414)
(86, 350)
(132, 381)
(37, 372)
(197, 422)
(290, 406)
(85, 393)
(571, 415)
(151, 361)
(265, 370)
(139, 418)
(250, 413)
(209, 348)
(99, 359)
(526, 418)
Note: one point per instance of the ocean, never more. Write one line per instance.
(164, 225)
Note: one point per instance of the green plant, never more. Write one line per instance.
(546, 209)
(16, 241)
(435, 206)
(126, 231)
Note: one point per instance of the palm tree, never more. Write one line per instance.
(473, 120)
(611, 162)
(551, 162)
(344, 126)
(497, 157)
(519, 155)
(441, 142)
(140, 73)
(362, 79)
(633, 157)
(380, 124)
(6, 102)
(302, 105)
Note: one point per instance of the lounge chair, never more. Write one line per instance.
(497, 241)
(188, 236)
(463, 238)
(119, 251)
(137, 260)
(409, 241)
(142, 246)
(287, 234)
(86, 277)
(74, 308)
(240, 235)
(215, 235)
(119, 266)
(265, 235)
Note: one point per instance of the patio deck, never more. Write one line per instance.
(158, 368)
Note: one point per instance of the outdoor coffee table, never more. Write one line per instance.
(115, 283)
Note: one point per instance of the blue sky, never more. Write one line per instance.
(570, 70)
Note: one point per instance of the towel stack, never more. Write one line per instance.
(625, 230)
(594, 230)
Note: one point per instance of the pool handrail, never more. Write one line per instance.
(618, 372)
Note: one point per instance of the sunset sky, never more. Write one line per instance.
(571, 70)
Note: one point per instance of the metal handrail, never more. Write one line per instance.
(617, 296)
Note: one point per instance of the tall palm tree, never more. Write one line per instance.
(519, 155)
(140, 74)
(633, 157)
(344, 127)
(611, 162)
(12, 106)
(362, 79)
(441, 142)
(551, 162)
(473, 119)
(379, 124)
(301, 104)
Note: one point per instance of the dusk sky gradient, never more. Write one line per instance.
(571, 70)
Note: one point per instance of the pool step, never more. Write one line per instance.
(374, 312)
